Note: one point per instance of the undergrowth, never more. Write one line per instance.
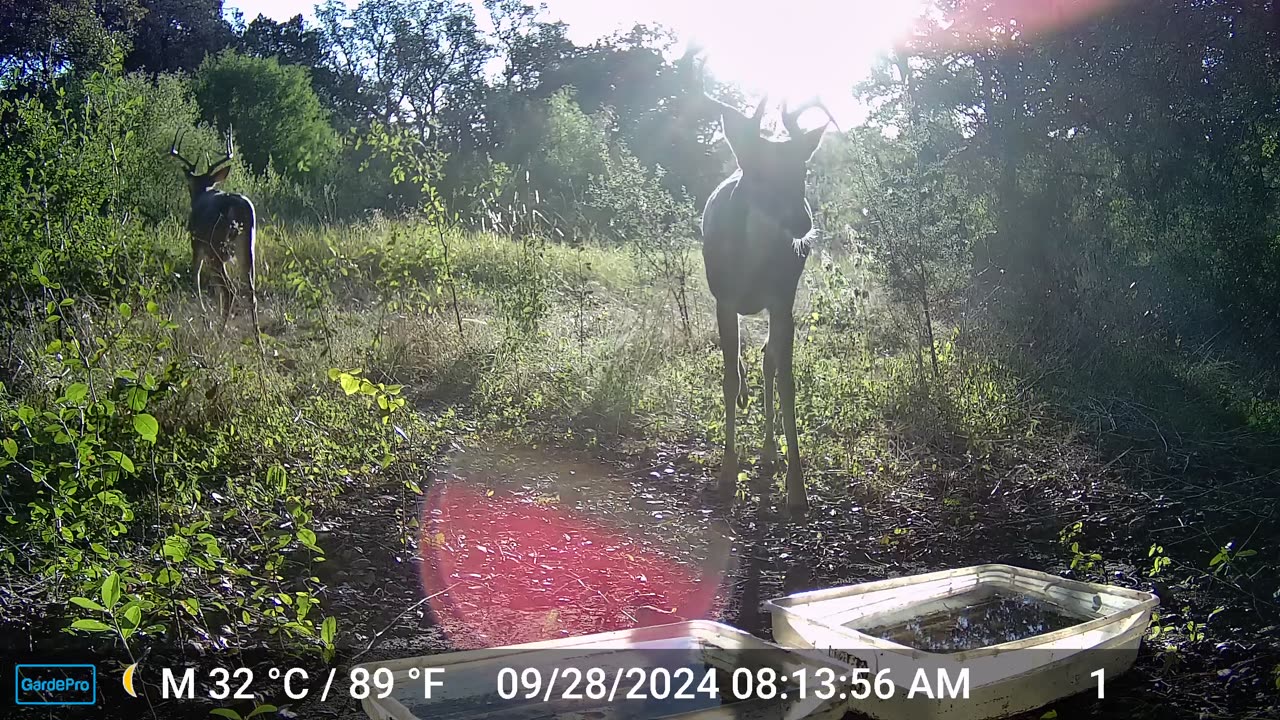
(166, 481)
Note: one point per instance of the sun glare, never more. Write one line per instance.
(801, 49)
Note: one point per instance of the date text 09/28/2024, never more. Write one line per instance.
(764, 683)
(622, 684)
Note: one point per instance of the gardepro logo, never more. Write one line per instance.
(55, 684)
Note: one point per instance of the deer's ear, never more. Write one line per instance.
(737, 131)
(811, 141)
(220, 174)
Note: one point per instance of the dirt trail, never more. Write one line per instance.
(662, 503)
(395, 600)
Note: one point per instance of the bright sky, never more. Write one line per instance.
(798, 49)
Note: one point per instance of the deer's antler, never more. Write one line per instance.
(229, 154)
(693, 54)
(173, 150)
(755, 119)
(789, 118)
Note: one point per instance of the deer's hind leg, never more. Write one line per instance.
(225, 296)
(245, 253)
(198, 256)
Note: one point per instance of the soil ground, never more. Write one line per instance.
(938, 519)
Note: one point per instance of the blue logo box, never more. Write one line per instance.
(55, 684)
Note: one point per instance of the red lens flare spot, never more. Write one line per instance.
(503, 569)
(969, 26)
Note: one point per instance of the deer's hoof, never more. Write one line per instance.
(797, 508)
(769, 459)
(797, 497)
(728, 481)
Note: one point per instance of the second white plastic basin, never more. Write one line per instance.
(1004, 678)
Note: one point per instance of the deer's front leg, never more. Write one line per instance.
(727, 320)
(769, 458)
(783, 342)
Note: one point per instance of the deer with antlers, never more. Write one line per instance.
(755, 230)
(222, 227)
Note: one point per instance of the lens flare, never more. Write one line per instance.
(977, 26)
(504, 568)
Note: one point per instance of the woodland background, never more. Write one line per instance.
(1042, 302)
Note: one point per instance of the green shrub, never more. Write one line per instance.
(61, 196)
(277, 117)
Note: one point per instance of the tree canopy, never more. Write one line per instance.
(1046, 152)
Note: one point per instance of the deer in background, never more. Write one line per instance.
(755, 229)
(222, 227)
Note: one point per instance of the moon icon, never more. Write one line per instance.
(128, 680)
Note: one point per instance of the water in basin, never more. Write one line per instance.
(972, 623)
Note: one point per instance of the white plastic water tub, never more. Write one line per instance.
(1004, 678)
(469, 692)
